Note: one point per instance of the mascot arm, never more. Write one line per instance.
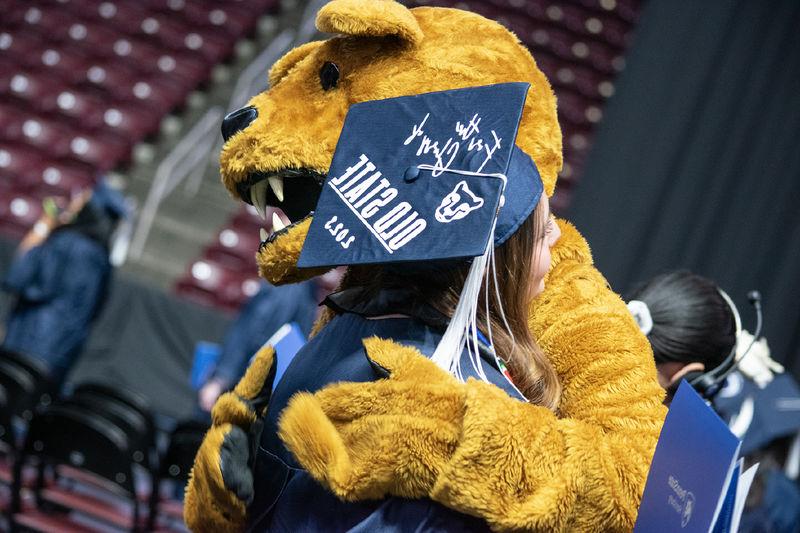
(519, 465)
(420, 433)
(221, 482)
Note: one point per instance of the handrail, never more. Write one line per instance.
(179, 163)
(188, 157)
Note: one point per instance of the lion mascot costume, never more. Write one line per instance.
(419, 434)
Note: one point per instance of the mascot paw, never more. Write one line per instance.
(390, 436)
(221, 482)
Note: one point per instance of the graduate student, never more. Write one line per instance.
(696, 333)
(60, 277)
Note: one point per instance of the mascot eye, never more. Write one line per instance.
(329, 75)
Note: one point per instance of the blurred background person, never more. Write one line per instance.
(260, 318)
(767, 419)
(692, 327)
(59, 278)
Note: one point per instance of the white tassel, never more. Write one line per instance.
(463, 324)
(462, 331)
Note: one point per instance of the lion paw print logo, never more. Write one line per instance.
(458, 203)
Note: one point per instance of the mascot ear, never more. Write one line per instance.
(283, 65)
(369, 18)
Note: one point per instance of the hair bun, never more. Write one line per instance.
(641, 313)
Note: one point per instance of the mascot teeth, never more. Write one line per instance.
(276, 183)
(277, 223)
(263, 234)
(258, 196)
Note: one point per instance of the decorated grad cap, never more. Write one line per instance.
(424, 178)
(417, 180)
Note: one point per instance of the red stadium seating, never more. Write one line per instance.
(235, 248)
(27, 84)
(18, 212)
(17, 159)
(90, 78)
(211, 283)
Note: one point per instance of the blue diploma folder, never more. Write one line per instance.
(287, 341)
(206, 355)
(696, 483)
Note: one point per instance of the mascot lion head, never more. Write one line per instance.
(278, 149)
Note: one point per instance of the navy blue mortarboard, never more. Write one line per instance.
(762, 414)
(426, 177)
(109, 200)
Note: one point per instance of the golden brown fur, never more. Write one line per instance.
(517, 465)
(473, 448)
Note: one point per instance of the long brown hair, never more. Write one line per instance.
(531, 371)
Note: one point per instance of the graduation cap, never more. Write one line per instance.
(109, 200)
(418, 180)
(421, 178)
(760, 415)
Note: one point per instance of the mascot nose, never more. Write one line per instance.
(237, 121)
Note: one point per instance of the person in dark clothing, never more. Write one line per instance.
(692, 327)
(689, 322)
(60, 277)
(767, 419)
(261, 316)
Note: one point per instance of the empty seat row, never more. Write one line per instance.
(593, 22)
(83, 81)
(99, 49)
(209, 33)
(226, 274)
(83, 456)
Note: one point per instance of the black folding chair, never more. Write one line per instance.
(70, 435)
(176, 464)
(33, 365)
(27, 383)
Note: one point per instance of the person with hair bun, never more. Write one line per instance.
(689, 323)
(692, 327)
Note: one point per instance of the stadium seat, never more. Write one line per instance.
(86, 105)
(130, 409)
(18, 212)
(27, 387)
(233, 20)
(66, 175)
(140, 437)
(102, 150)
(211, 283)
(16, 43)
(51, 136)
(33, 365)
(175, 465)
(18, 160)
(235, 248)
(11, 121)
(7, 441)
(27, 84)
(67, 435)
